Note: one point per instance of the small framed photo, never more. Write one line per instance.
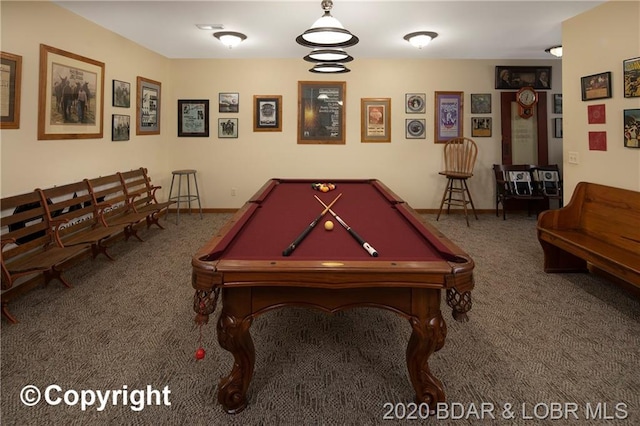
(120, 127)
(121, 94)
(227, 127)
(557, 103)
(596, 86)
(148, 107)
(375, 120)
(415, 128)
(415, 103)
(557, 128)
(631, 70)
(481, 103)
(448, 116)
(228, 102)
(193, 118)
(11, 72)
(481, 127)
(632, 128)
(267, 113)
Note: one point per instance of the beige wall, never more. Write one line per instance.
(594, 42)
(409, 166)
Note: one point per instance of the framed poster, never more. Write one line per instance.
(121, 94)
(120, 127)
(321, 112)
(557, 128)
(481, 103)
(415, 103)
(227, 127)
(596, 86)
(631, 71)
(10, 80)
(632, 128)
(228, 102)
(448, 116)
(415, 128)
(70, 96)
(148, 106)
(557, 103)
(481, 127)
(193, 118)
(267, 113)
(375, 119)
(512, 77)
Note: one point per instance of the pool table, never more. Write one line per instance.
(245, 266)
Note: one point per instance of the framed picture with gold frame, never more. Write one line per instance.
(10, 80)
(267, 113)
(321, 112)
(148, 106)
(375, 120)
(448, 116)
(64, 78)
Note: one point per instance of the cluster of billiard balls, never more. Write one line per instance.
(323, 187)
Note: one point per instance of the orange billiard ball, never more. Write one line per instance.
(328, 225)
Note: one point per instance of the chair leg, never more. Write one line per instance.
(473, 208)
(464, 201)
(444, 197)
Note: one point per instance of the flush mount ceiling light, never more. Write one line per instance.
(328, 55)
(329, 68)
(420, 39)
(230, 38)
(327, 31)
(555, 51)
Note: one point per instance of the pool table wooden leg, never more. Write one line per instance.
(234, 336)
(428, 336)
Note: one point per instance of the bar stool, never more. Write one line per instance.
(184, 198)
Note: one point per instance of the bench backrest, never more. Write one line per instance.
(24, 219)
(610, 214)
(136, 182)
(74, 203)
(108, 189)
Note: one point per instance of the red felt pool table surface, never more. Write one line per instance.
(244, 266)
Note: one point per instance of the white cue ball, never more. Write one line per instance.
(328, 225)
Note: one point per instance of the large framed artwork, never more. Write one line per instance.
(631, 75)
(321, 112)
(193, 118)
(375, 120)
(513, 77)
(267, 113)
(70, 96)
(10, 80)
(148, 106)
(448, 117)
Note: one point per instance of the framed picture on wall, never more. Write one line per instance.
(631, 71)
(121, 94)
(632, 128)
(513, 77)
(557, 128)
(448, 116)
(11, 76)
(557, 103)
(228, 102)
(120, 127)
(148, 106)
(375, 119)
(70, 96)
(227, 127)
(321, 112)
(481, 103)
(481, 127)
(415, 103)
(193, 118)
(415, 128)
(596, 86)
(267, 113)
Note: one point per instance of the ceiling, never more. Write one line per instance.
(514, 29)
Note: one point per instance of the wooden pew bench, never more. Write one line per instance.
(31, 244)
(599, 227)
(141, 194)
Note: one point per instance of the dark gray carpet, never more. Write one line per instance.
(532, 338)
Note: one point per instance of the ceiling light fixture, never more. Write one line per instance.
(420, 39)
(555, 51)
(210, 26)
(230, 38)
(328, 55)
(329, 68)
(327, 31)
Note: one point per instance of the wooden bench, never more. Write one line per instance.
(599, 227)
(137, 186)
(31, 243)
(85, 221)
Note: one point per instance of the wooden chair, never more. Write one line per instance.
(459, 159)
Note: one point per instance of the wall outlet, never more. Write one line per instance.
(573, 157)
(233, 192)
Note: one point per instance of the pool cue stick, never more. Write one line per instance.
(308, 229)
(353, 233)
